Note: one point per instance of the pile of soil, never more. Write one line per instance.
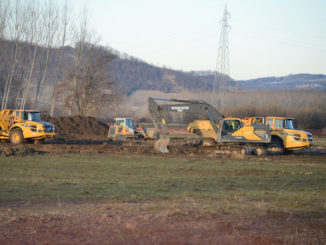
(7, 150)
(78, 127)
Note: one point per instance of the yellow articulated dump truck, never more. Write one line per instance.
(283, 133)
(20, 126)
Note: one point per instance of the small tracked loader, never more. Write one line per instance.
(124, 128)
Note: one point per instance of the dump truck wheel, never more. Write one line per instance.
(207, 142)
(276, 147)
(16, 137)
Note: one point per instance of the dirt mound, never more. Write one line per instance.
(8, 150)
(77, 127)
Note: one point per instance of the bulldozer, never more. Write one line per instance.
(284, 136)
(217, 129)
(20, 126)
(124, 128)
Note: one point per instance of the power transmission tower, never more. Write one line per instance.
(222, 64)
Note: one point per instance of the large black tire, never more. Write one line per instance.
(207, 142)
(276, 147)
(16, 137)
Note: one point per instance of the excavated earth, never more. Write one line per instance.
(88, 135)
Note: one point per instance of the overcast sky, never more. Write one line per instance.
(267, 37)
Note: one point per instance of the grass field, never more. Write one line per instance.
(242, 185)
(102, 198)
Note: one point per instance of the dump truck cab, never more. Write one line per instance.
(283, 132)
(20, 125)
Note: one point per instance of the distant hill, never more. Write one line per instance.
(133, 74)
(298, 81)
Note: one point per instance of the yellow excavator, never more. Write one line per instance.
(218, 129)
(20, 126)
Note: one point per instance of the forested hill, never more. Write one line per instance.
(132, 74)
(298, 81)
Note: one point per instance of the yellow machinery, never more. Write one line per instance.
(233, 130)
(284, 136)
(215, 130)
(17, 126)
(124, 128)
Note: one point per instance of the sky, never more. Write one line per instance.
(266, 38)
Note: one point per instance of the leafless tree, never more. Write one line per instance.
(50, 19)
(88, 86)
(15, 28)
(33, 34)
(64, 26)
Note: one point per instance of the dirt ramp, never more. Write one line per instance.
(78, 127)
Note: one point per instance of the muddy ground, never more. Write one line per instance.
(177, 148)
(115, 224)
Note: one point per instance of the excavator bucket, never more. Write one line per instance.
(161, 145)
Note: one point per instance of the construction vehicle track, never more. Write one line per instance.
(178, 148)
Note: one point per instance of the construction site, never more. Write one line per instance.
(101, 147)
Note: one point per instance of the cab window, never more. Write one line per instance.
(120, 122)
(230, 126)
(270, 122)
(129, 123)
(279, 123)
(289, 124)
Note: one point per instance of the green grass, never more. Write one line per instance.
(227, 185)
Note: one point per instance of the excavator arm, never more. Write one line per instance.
(192, 106)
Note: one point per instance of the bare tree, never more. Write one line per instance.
(4, 11)
(33, 34)
(16, 26)
(50, 19)
(88, 86)
(64, 25)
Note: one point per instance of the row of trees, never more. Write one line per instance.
(308, 107)
(37, 70)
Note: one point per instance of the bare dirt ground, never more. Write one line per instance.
(115, 224)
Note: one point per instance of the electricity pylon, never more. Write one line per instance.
(222, 64)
